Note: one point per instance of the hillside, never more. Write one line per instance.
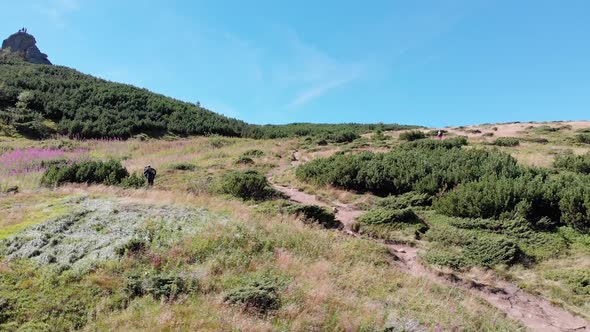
(485, 230)
(39, 101)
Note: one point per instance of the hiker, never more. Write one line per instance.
(150, 174)
(439, 135)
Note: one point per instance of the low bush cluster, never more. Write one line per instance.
(314, 214)
(412, 135)
(459, 248)
(135, 180)
(532, 196)
(109, 173)
(390, 225)
(574, 163)
(583, 138)
(247, 185)
(449, 143)
(421, 169)
(253, 153)
(386, 216)
(507, 141)
(577, 280)
(162, 286)
(543, 201)
(259, 295)
(243, 160)
(184, 166)
(407, 200)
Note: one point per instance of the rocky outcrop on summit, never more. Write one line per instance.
(25, 44)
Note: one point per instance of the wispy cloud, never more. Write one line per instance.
(56, 10)
(315, 73)
(321, 88)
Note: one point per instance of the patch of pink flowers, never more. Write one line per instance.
(32, 160)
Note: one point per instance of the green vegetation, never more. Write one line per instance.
(507, 141)
(571, 162)
(419, 169)
(314, 214)
(247, 185)
(449, 143)
(243, 160)
(583, 138)
(37, 101)
(184, 167)
(260, 295)
(391, 225)
(412, 135)
(109, 173)
(407, 200)
(134, 180)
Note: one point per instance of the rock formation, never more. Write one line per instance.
(25, 44)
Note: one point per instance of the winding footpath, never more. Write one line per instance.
(537, 314)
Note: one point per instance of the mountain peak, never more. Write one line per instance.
(25, 44)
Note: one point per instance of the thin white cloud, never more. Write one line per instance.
(56, 10)
(316, 73)
(320, 89)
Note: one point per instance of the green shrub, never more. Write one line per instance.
(442, 257)
(583, 138)
(166, 286)
(577, 280)
(402, 170)
(507, 141)
(135, 180)
(385, 216)
(343, 136)
(407, 200)
(260, 295)
(246, 185)
(489, 251)
(109, 173)
(546, 129)
(487, 135)
(184, 166)
(574, 163)
(575, 204)
(315, 214)
(448, 143)
(253, 153)
(133, 246)
(243, 160)
(530, 196)
(390, 225)
(536, 140)
(412, 135)
(583, 131)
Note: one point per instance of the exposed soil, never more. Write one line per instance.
(537, 314)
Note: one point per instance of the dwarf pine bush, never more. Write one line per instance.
(507, 141)
(109, 173)
(412, 135)
(246, 185)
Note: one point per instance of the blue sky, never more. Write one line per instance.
(433, 63)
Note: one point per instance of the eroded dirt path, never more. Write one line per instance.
(537, 314)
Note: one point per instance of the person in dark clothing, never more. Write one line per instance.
(150, 174)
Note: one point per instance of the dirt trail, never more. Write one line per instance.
(535, 313)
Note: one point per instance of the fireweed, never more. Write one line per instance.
(34, 160)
